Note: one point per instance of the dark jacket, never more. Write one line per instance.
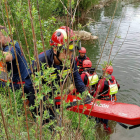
(50, 57)
(21, 61)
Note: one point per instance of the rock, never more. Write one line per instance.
(84, 35)
(101, 6)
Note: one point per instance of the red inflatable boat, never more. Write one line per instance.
(120, 112)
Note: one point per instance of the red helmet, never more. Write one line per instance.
(83, 50)
(108, 70)
(59, 37)
(87, 64)
(65, 28)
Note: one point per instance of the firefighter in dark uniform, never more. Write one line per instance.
(57, 54)
(6, 45)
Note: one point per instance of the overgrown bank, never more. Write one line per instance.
(12, 104)
(32, 24)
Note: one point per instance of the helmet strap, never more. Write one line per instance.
(57, 56)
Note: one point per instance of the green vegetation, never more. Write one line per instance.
(13, 122)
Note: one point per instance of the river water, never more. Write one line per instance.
(125, 55)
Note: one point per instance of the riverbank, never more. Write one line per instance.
(103, 3)
(84, 12)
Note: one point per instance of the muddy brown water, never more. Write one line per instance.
(126, 63)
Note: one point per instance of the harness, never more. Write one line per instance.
(57, 55)
(80, 62)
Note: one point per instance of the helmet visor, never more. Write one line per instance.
(71, 47)
(75, 45)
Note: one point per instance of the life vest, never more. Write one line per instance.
(80, 62)
(110, 94)
(113, 88)
(92, 80)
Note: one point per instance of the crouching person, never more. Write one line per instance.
(56, 58)
(9, 60)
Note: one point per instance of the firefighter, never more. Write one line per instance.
(106, 90)
(9, 56)
(79, 59)
(89, 77)
(56, 58)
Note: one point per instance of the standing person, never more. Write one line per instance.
(7, 48)
(89, 77)
(56, 57)
(79, 59)
(107, 89)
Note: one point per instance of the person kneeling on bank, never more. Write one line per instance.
(56, 59)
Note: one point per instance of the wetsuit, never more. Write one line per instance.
(79, 60)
